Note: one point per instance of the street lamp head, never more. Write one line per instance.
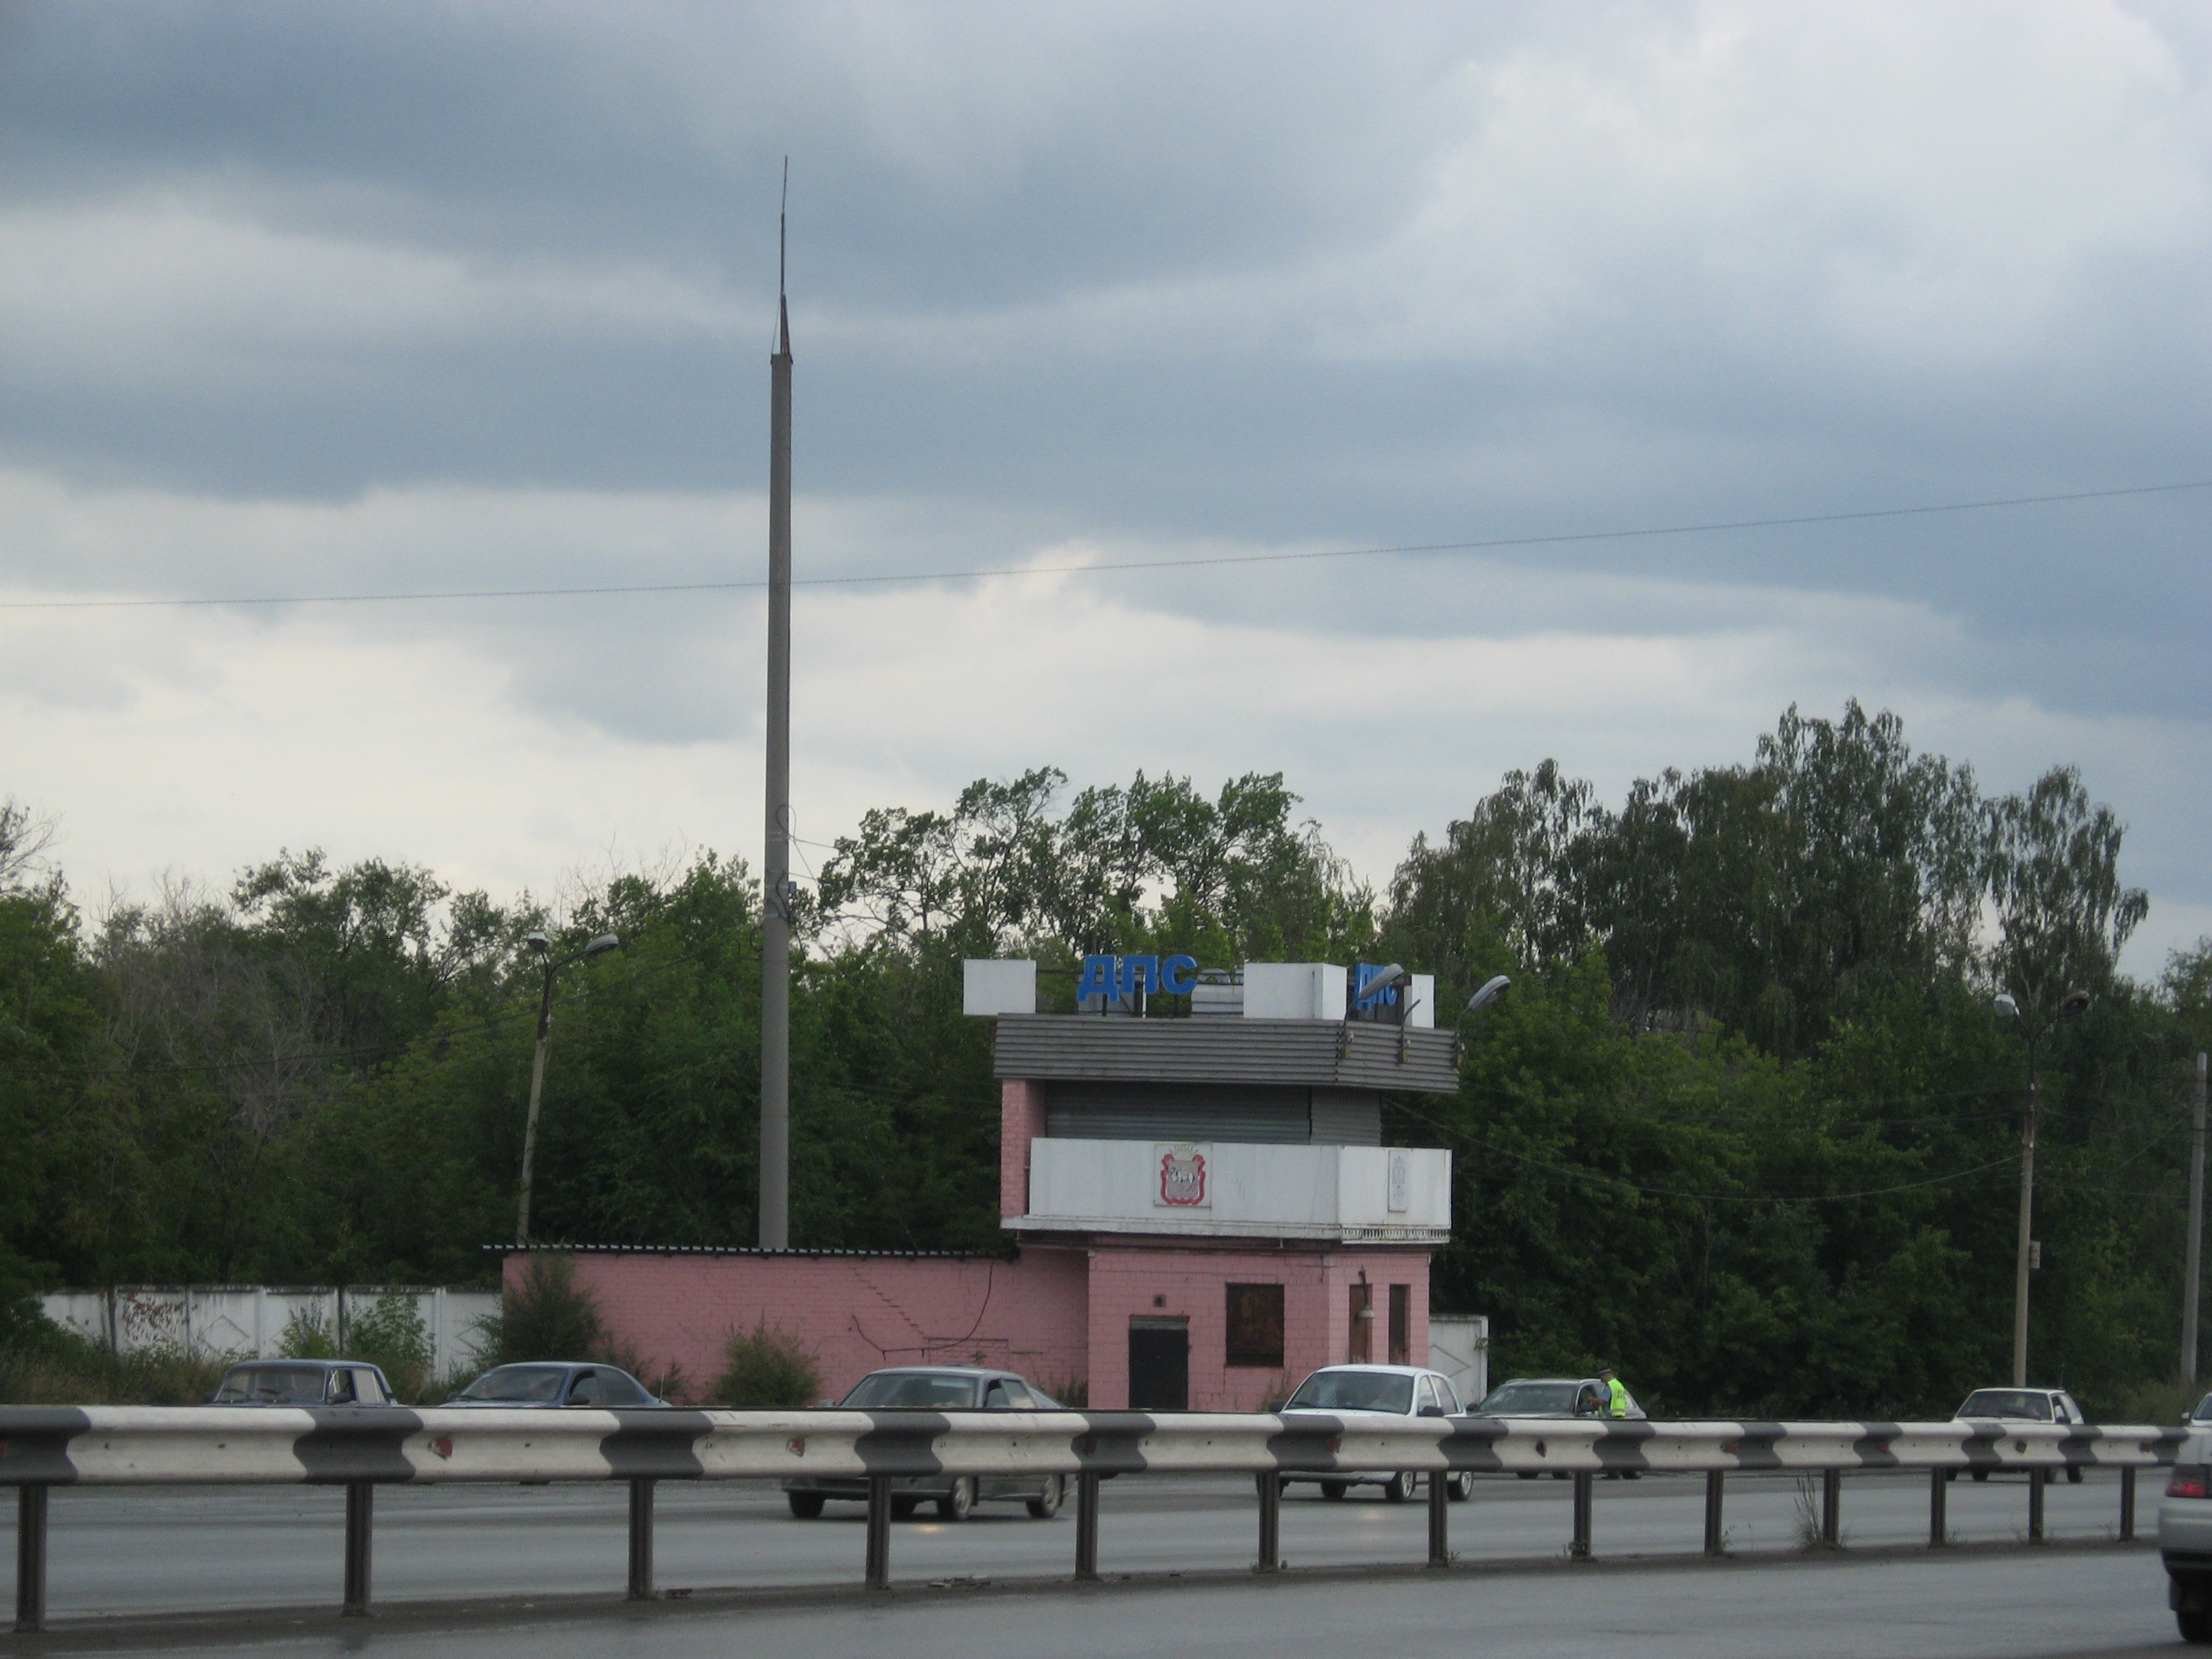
(2074, 1003)
(536, 941)
(602, 944)
(2005, 1005)
(1491, 990)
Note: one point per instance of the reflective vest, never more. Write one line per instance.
(1616, 1403)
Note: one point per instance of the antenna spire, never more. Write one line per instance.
(782, 306)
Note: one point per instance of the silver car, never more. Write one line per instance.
(936, 1389)
(2184, 1539)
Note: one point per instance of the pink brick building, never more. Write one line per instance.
(1200, 1211)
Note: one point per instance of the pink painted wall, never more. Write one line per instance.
(1021, 1120)
(856, 1313)
(1139, 1281)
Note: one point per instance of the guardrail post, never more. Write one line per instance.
(1713, 1536)
(360, 1522)
(1579, 1547)
(2035, 1479)
(1439, 1518)
(1939, 1500)
(879, 1532)
(30, 1559)
(1086, 1526)
(640, 1540)
(1270, 1522)
(2128, 1505)
(1831, 1509)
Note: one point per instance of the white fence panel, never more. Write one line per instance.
(1459, 1346)
(248, 1321)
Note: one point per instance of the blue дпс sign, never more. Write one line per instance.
(1122, 977)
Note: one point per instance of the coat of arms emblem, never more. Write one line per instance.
(1182, 1178)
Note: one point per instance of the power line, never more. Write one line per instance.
(1202, 561)
(1599, 1178)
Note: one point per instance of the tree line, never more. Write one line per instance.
(1746, 1126)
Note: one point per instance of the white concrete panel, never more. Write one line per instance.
(998, 987)
(1294, 990)
(1423, 1013)
(1252, 1190)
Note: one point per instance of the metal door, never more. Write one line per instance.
(1159, 1365)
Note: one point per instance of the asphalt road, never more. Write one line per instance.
(143, 1551)
(2013, 1605)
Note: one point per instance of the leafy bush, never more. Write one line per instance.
(769, 1370)
(1074, 1392)
(393, 1336)
(307, 1335)
(2147, 1402)
(546, 1316)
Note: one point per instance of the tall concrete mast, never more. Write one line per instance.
(775, 862)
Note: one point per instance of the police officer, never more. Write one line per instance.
(1616, 1401)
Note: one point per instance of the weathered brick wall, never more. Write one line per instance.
(855, 1313)
(1021, 1120)
(1138, 1281)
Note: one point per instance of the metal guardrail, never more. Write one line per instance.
(362, 1447)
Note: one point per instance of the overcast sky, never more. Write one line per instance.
(324, 300)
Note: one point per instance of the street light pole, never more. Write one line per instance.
(2189, 1289)
(540, 944)
(2072, 1004)
(775, 854)
(2026, 1215)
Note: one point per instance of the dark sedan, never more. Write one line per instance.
(937, 1389)
(554, 1384)
(302, 1383)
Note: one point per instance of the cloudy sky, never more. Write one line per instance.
(324, 300)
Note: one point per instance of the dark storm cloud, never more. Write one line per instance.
(1159, 277)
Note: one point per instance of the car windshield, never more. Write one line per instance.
(2007, 1402)
(2203, 1408)
(522, 1384)
(1528, 1398)
(912, 1391)
(1353, 1391)
(302, 1383)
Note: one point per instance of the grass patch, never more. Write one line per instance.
(55, 1367)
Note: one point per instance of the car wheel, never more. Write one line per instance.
(805, 1505)
(2195, 1625)
(1981, 1475)
(903, 1508)
(1334, 1490)
(2074, 1476)
(1397, 1488)
(1459, 1488)
(1046, 1507)
(956, 1503)
(1527, 1475)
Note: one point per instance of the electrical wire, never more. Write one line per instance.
(1595, 1177)
(1485, 544)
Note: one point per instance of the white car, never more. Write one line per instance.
(2021, 1406)
(2184, 1539)
(1353, 1392)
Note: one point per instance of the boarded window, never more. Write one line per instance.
(1255, 1325)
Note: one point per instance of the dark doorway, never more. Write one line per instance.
(1361, 1349)
(1401, 1324)
(1159, 1365)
